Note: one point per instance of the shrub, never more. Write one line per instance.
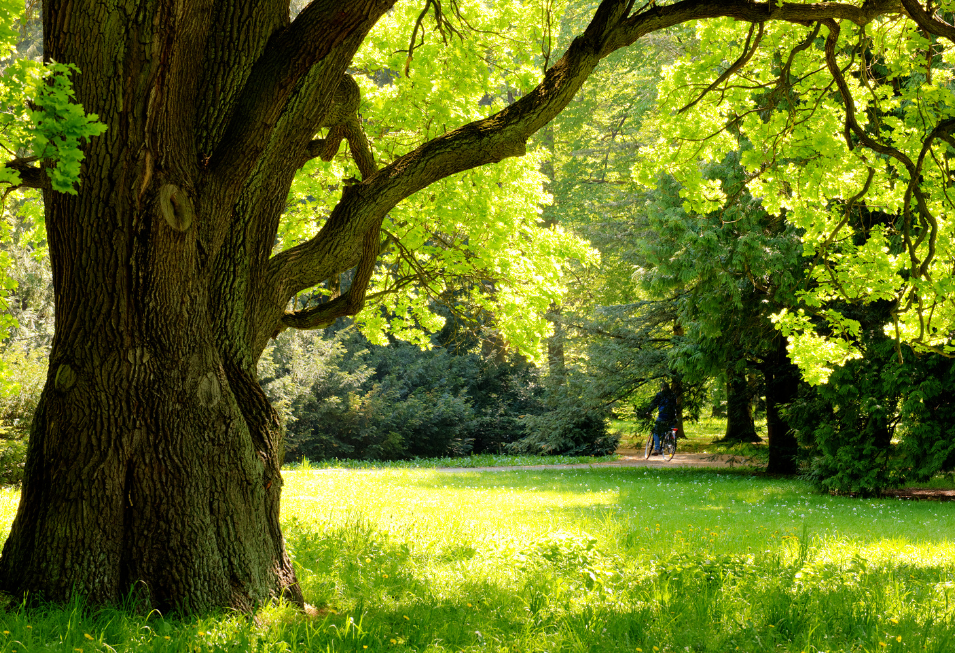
(24, 374)
(344, 398)
(879, 423)
(566, 432)
(13, 454)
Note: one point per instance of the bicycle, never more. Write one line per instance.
(667, 445)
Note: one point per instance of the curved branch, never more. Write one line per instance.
(739, 63)
(929, 22)
(336, 247)
(292, 53)
(656, 18)
(851, 122)
(319, 317)
(354, 300)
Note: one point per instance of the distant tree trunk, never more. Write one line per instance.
(556, 366)
(677, 386)
(739, 411)
(782, 385)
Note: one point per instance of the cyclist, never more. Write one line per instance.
(665, 402)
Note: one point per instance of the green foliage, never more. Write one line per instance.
(39, 119)
(24, 374)
(476, 236)
(788, 121)
(27, 315)
(722, 273)
(345, 398)
(13, 455)
(571, 426)
(879, 422)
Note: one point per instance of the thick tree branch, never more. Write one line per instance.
(930, 23)
(354, 300)
(350, 130)
(656, 18)
(505, 134)
(291, 55)
(30, 175)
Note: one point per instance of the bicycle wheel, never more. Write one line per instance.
(649, 448)
(669, 447)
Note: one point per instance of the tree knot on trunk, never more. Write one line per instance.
(209, 390)
(176, 208)
(65, 378)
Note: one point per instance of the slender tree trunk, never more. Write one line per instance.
(739, 412)
(556, 366)
(782, 384)
(677, 387)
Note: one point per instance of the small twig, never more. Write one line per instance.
(739, 63)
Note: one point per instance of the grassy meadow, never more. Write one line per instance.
(607, 559)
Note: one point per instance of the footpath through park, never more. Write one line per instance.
(628, 458)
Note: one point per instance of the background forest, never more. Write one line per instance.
(521, 308)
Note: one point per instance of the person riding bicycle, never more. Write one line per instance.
(665, 402)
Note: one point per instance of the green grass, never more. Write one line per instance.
(610, 559)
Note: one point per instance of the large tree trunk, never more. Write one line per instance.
(154, 458)
(152, 470)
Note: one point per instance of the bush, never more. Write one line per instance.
(13, 455)
(344, 398)
(24, 374)
(879, 423)
(568, 432)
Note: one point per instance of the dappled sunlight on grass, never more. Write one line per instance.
(609, 559)
(619, 543)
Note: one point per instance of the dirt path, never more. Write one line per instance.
(628, 458)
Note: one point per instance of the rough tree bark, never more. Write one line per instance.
(154, 458)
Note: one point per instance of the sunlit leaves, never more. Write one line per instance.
(473, 240)
(785, 113)
(38, 115)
